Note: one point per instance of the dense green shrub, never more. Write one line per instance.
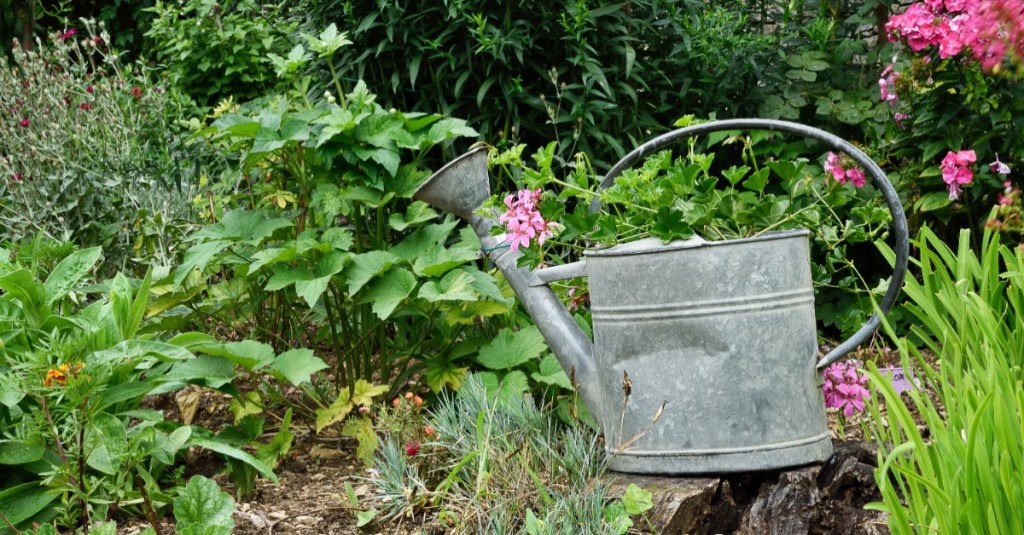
(88, 149)
(219, 49)
(600, 76)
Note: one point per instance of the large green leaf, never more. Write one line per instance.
(297, 366)
(336, 412)
(242, 225)
(365, 267)
(388, 291)
(512, 348)
(551, 373)
(248, 354)
(234, 453)
(69, 273)
(197, 257)
(455, 286)
(15, 452)
(437, 260)
(202, 503)
(209, 370)
(285, 276)
(22, 502)
(130, 349)
(421, 239)
(417, 213)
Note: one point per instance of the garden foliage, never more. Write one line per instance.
(76, 443)
(966, 474)
(88, 150)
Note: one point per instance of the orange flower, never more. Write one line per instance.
(54, 376)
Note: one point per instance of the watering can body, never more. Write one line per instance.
(707, 352)
(703, 353)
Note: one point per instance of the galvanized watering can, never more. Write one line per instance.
(703, 358)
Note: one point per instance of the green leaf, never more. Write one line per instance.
(15, 452)
(297, 366)
(637, 500)
(22, 286)
(242, 225)
(311, 290)
(512, 348)
(362, 430)
(284, 276)
(364, 392)
(197, 257)
(336, 412)
(211, 371)
(449, 128)
(366, 266)
(455, 286)
(22, 502)
(441, 371)
(234, 453)
(551, 373)
(202, 503)
(388, 291)
(69, 273)
(418, 212)
(248, 354)
(932, 201)
(758, 180)
(436, 260)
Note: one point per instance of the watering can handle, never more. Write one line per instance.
(899, 220)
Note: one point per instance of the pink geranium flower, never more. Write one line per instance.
(843, 169)
(955, 172)
(844, 388)
(523, 220)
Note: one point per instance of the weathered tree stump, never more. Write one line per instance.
(812, 500)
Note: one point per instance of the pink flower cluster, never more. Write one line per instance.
(523, 219)
(844, 387)
(955, 172)
(842, 168)
(988, 28)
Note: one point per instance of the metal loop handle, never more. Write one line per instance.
(899, 220)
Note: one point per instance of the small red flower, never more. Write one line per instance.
(85, 106)
(137, 92)
(99, 40)
(68, 34)
(88, 89)
(24, 123)
(16, 177)
(412, 448)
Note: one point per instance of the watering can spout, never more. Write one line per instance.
(460, 188)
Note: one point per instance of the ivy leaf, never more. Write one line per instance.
(367, 266)
(388, 291)
(202, 503)
(418, 212)
(512, 348)
(297, 366)
(455, 286)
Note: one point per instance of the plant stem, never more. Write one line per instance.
(150, 512)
